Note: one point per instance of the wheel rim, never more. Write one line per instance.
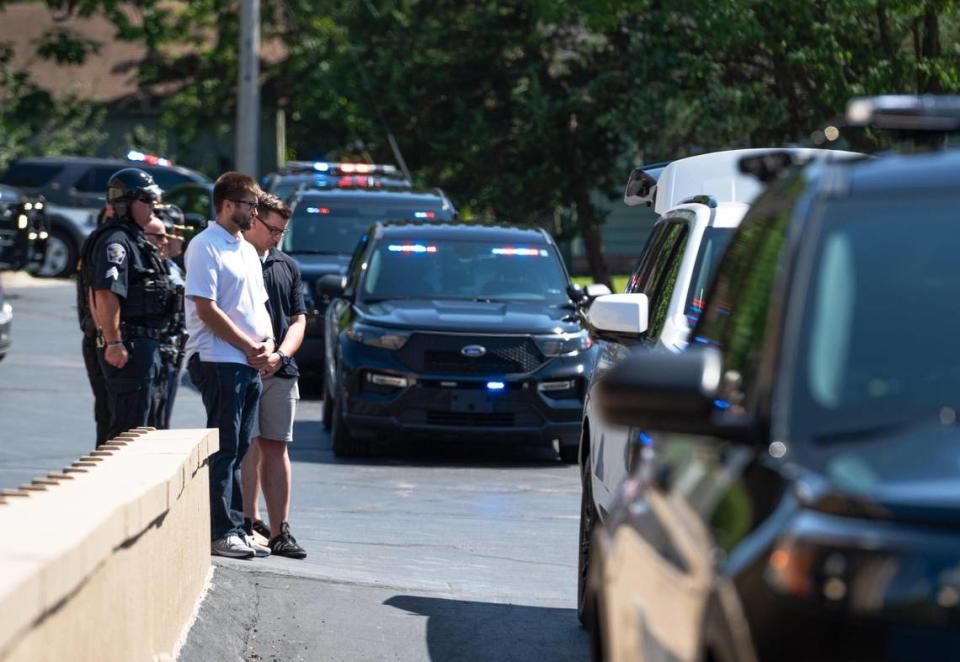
(56, 258)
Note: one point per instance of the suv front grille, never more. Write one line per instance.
(441, 354)
(461, 419)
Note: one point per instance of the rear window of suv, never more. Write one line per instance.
(328, 225)
(30, 175)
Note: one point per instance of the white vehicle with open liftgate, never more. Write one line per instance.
(700, 200)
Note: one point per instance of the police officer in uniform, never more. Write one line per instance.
(161, 233)
(132, 303)
(91, 340)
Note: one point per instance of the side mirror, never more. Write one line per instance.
(619, 317)
(596, 290)
(663, 391)
(641, 189)
(575, 292)
(331, 285)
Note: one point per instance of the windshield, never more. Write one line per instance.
(469, 270)
(711, 249)
(335, 226)
(879, 316)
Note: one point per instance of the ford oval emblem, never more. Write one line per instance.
(474, 351)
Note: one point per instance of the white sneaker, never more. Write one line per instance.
(233, 546)
(259, 550)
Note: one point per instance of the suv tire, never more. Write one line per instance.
(570, 454)
(327, 407)
(344, 443)
(60, 260)
(588, 521)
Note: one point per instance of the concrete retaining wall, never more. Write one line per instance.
(107, 559)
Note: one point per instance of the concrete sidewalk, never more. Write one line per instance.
(250, 615)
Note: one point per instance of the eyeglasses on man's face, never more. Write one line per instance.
(250, 205)
(274, 231)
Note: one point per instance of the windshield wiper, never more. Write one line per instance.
(382, 299)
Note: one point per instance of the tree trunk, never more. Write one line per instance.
(592, 239)
(586, 214)
(883, 26)
(930, 82)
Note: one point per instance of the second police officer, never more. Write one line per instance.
(133, 301)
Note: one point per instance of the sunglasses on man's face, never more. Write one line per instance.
(161, 235)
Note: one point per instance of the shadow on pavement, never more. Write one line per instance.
(312, 444)
(463, 630)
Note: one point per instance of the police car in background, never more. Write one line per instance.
(74, 188)
(23, 229)
(323, 233)
(301, 175)
(455, 331)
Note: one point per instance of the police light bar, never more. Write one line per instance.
(532, 252)
(337, 168)
(411, 248)
(904, 112)
(150, 159)
(425, 214)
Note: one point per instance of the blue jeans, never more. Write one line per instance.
(231, 393)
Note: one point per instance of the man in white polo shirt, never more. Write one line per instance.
(230, 342)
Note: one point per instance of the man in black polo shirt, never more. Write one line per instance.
(267, 462)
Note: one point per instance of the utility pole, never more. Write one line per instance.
(248, 90)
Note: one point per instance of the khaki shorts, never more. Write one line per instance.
(278, 407)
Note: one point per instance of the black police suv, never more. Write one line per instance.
(455, 331)
(24, 229)
(319, 175)
(800, 493)
(323, 233)
(74, 189)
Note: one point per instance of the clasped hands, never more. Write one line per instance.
(263, 357)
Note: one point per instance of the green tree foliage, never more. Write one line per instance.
(521, 109)
(752, 73)
(32, 122)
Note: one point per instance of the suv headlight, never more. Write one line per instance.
(564, 344)
(377, 337)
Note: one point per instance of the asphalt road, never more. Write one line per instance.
(427, 552)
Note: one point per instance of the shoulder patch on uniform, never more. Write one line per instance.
(112, 273)
(116, 253)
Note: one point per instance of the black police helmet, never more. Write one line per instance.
(128, 185)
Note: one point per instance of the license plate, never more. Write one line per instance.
(471, 402)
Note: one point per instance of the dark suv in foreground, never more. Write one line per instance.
(798, 494)
(456, 332)
(323, 233)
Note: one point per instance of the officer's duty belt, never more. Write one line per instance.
(135, 331)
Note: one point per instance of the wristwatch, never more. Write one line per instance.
(284, 359)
